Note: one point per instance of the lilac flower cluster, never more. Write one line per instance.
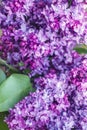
(42, 34)
(42, 109)
(57, 104)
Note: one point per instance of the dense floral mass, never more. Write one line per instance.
(40, 35)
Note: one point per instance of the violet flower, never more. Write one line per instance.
(55, 31)
(43, 36)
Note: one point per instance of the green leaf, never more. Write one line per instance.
(81, 49)
(2, 76)
(26, 71)
(21, 64)
(13, 89)
(3, 125)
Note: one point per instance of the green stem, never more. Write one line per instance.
(3, 62)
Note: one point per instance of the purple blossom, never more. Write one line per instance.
(78, 75)
(40, 30)
(41, 109)
(42, 34)
(52, 107)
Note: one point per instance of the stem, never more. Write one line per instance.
(3, 62)
(69, 3)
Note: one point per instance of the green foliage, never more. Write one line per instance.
(3, 125)
(21, 64)
(81, 49)
(4, 63)
(13, 89)
(2, 76)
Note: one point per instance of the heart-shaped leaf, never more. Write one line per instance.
(81, 49)
(2, 76)
(3, 125)
(13, 89)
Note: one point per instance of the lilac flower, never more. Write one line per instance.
(54, 30)
(42, 34)
(42, 109)
(51, 107)
(78, 75)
